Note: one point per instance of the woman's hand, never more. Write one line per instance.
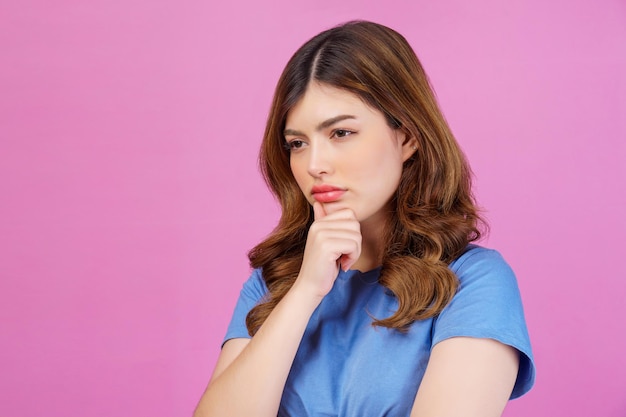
(333, 242)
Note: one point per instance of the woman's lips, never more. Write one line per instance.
(327, 193)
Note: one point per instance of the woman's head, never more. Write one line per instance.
(378, 66)
(433, 214)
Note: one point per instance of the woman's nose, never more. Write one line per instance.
(320, 158)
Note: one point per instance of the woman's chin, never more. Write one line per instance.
(335, 206)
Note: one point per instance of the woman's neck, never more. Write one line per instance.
(372, 245)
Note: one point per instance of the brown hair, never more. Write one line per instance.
(434, 215)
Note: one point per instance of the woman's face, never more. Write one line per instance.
(343, 152)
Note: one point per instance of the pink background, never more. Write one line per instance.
(129, 191)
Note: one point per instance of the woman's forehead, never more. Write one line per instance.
(323, 102)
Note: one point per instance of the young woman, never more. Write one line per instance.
(368, 299)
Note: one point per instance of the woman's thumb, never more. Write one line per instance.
(318, 210)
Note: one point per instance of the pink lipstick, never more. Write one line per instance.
(327, 193)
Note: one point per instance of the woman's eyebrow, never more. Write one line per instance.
(323, 125)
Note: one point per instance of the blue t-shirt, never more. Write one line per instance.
(346, 367)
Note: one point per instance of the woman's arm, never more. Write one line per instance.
(250, 375)
(467, 377)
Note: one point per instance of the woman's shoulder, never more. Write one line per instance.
(253, 288)
(476, 252)
(485, 279)
(478, 261)
(488, 304)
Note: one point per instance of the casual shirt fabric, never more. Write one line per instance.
(347, 367)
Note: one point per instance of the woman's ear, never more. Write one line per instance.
(409, 146)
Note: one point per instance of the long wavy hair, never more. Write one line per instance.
(433, 212)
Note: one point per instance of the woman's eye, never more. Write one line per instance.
(342, 133)
(295, 144)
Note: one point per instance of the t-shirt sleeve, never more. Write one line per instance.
(488, 305)
(253, 291)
